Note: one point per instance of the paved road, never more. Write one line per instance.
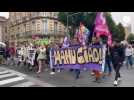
(67, 79)
(11, 78)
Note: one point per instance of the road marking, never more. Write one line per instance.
(7, 75)
(18, 73)
(26, 84)
(4, 72)
(11, 80)
(19, 77)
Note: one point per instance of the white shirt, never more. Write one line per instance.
(129, 52)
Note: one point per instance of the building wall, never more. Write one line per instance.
(23, 24)
(128, 30)
(3, 32)
(0, 32)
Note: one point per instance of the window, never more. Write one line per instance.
(34, 14)
(5, 29)
(33, 26)
(27, 27)
(24, 28)
(45, 14)
(45, 26)
(38, 26)
(55, 27)
(33, 22)
(21, 28)
(51, 14)
(55, 15)
(18, 29)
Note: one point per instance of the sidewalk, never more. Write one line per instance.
(67, 78)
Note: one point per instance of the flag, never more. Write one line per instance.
(66, 42)
(101, 27)
(82, 34)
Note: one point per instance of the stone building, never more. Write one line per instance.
(22, 26)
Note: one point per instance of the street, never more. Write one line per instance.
(11, 78)
(65, 78)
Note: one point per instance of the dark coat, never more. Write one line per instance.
(117, 54)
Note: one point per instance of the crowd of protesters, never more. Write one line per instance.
(38, 57)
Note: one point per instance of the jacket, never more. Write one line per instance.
(117, 54)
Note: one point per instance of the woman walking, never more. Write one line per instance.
(41, 58)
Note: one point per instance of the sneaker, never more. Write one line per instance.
(38, 72)
(52, 73)
(92, 73)
(115, 83)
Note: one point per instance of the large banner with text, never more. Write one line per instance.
(90, 57)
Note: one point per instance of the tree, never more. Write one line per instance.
(130, 37)
(117, 31)
(121, 32)
(112, 26)
(88, 20)
(74, 21)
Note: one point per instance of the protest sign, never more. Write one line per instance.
(91, 57)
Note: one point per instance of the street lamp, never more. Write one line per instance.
(70, 15)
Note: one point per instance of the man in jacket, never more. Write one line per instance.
(118, 55)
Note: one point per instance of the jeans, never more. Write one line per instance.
(108, 66)
(77, 73)
(129, 61)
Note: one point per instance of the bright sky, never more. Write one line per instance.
(5, 14)
(123, 17)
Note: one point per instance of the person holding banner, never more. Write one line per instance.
(96, 41)
(75, 43)
(107, 67)
(54, 46)
(52, 69)
(66, 43)
(108, 62)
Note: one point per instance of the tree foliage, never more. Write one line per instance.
(121, 32)
(130, 37)
(88, 20)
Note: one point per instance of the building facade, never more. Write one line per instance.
(128, 30)
(3, 30)
(22, 26)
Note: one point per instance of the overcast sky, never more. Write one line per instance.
(118, 17)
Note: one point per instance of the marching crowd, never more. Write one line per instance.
(37, 56)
